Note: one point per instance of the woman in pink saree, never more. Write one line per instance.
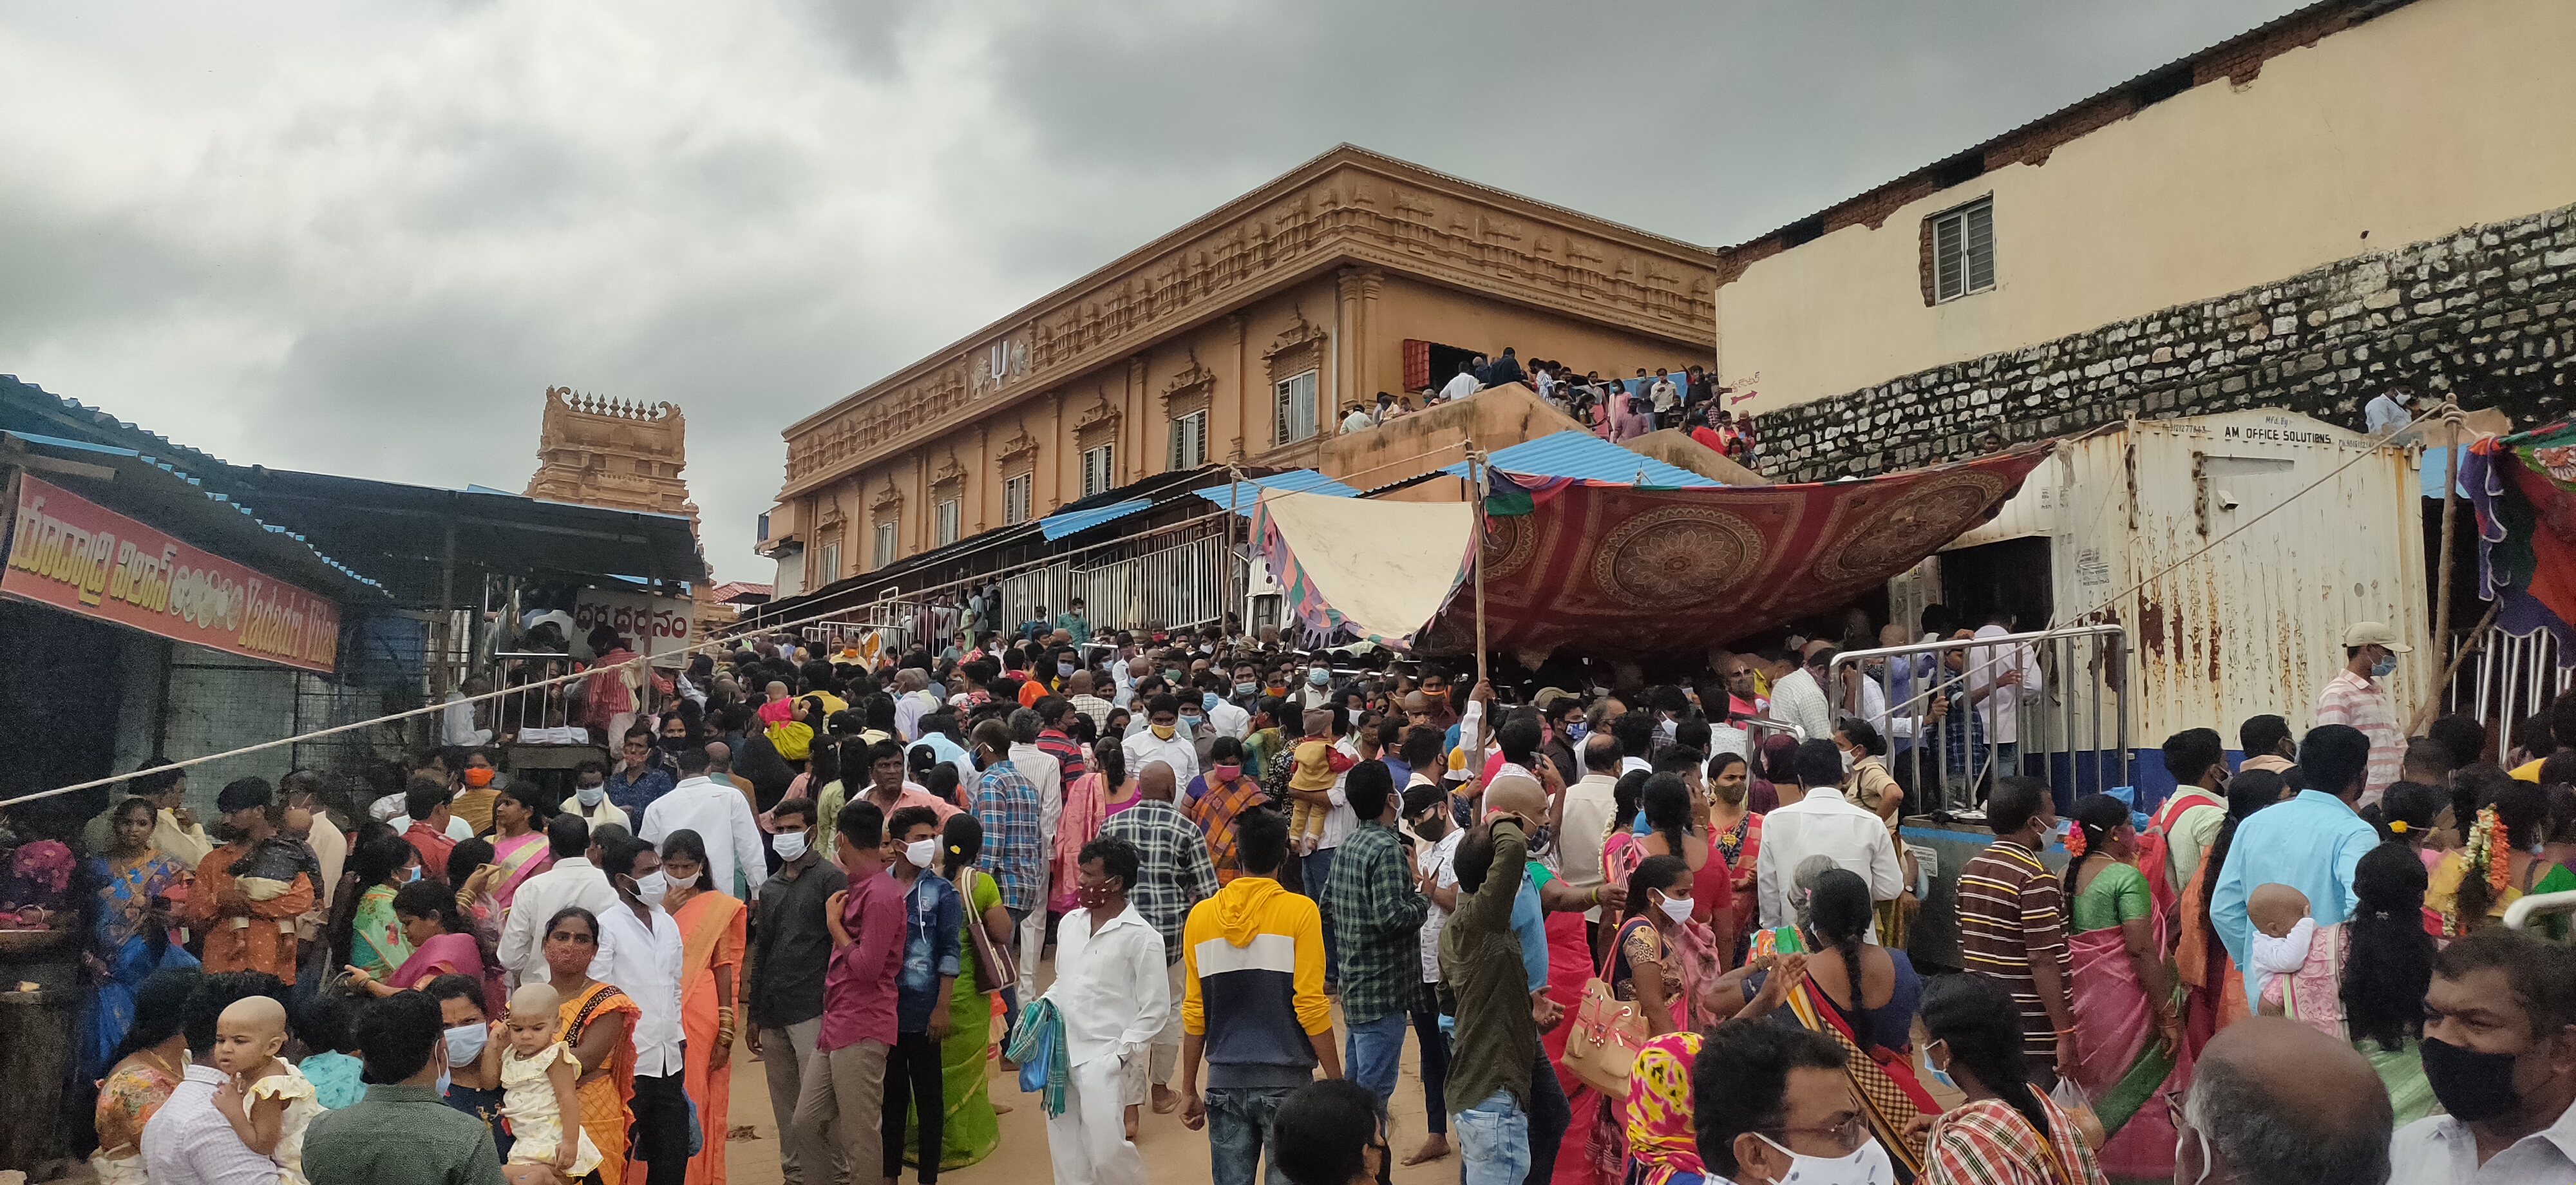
(519, 847)
(2128, 1030)
(441, 944)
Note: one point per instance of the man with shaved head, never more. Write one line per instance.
(1174, 872)
(2274, 1102)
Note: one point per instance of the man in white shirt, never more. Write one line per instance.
(589, 802)
(720, 815)
(188, 1141)
(1227, 718)
(570, 880)
(2386, 411)
(1462, 386)
(1357, 421)
(1666, 397)
(2500, 1054)
(1113, 995)
(645, 964)
(910, 701)
(2005, 681)
(1047, 774)
(2273, 1100)
(457, 722)
(1799, 697)
(1589, 805)
(1824, 823)
(1161, 739)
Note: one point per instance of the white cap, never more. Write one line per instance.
(2372, 633)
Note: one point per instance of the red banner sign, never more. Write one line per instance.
(76, 555)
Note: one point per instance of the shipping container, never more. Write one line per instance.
(2234, 549)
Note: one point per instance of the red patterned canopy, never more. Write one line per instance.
(1615, 571)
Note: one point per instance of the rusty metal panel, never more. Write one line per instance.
(2255, 624)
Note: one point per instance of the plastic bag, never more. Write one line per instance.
(2078, 1106)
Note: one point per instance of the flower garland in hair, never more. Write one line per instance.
(2075, 845)
(2488, 838)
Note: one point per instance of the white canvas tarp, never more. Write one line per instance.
(1383, 569)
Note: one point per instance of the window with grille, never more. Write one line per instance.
(1963, 250)
(1189, 440)
(1096, 473)
(1015, 500)
(827, 563)
(1294, 408)
(947, 522)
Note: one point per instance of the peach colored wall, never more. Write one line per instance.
(1359, 352)
(2430, 117)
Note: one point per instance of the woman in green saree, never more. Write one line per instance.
(971, 1130)
(376, 942)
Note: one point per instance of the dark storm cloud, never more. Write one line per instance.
(365, 239)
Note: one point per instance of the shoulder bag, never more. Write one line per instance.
(1607, 1032)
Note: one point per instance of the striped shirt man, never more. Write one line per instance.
(2362, 702)
(2010, 914)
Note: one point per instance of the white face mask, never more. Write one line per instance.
(590, 795)
(679, 882)
(921, 852)
(1676, 908)
(789, 845)
(650, 887)
(1867, 1165)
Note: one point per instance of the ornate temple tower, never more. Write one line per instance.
(612, 453)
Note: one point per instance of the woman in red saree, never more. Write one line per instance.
(2213, 992)
(711, 936)
(441, 944)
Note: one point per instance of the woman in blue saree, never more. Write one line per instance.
(131, 938)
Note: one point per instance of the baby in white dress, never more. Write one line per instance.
(268, 1102)
(537, 1075)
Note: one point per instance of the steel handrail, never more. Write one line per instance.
(2518, 915)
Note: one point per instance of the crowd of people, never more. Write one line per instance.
(1637, 935)
(1616, 409)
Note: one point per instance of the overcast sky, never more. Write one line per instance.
(364, 239)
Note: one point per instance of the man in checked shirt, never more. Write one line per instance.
(1174, 873)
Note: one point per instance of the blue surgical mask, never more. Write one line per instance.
(1064, 668)
(1937, 1074)
(465, 1043)
(2384, 667)
(1577, 731)
(1190, 721)
(1246, 688)
(1209, 701)
(1319, 677)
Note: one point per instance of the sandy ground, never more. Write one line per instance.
(1174, 1155)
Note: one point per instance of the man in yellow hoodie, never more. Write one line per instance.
(1240, 949)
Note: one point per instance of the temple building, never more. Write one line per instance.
(1244, 336)
(622, 455)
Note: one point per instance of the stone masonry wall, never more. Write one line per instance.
(2488, 313)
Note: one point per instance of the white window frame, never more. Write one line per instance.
(1016, 491)
(1292, 407)
(1189, 441)
(1099, 470)
(827, 563)
(888, 543)
(1963, 250)
(946, 517)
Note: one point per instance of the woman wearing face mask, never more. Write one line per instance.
(1867, 784)
(711, 937)
(1836, 983)
(1678, 826)
(441, 944)
(598, 1022)
(2214, 994)
(377, 941)
(473, 802)
(2129, 1037)
(2004, 1132)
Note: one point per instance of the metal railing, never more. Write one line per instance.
(2086, 663)
(2518, 915)
(2515, 676)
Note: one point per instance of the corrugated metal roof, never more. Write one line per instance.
(1586, 457)
(1057, 526)
(1240, 496)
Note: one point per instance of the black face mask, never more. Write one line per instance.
(2474, 1087)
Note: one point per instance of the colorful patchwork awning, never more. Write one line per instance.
(2523, 488)
(1613, 571)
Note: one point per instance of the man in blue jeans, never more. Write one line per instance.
(1485, 986)
(1252, 1004)
(1378, 899)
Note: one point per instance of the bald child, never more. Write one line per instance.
(268, 1103)
(539, 1077)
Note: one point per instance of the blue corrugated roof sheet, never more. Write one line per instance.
(1057, 526)
(1586, 457)
(1240, 496)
